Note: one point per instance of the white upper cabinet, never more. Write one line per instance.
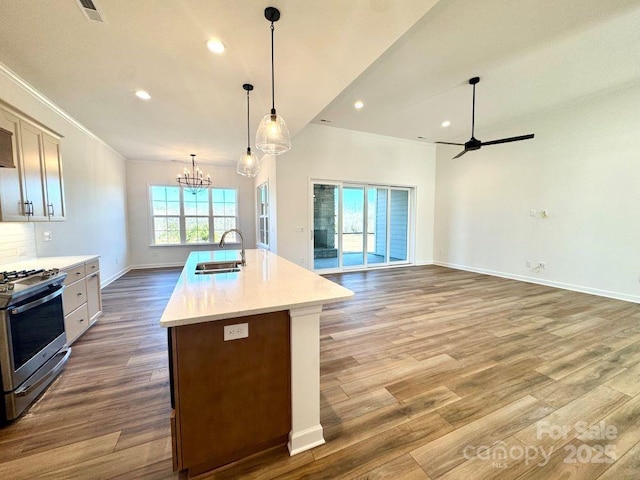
(33, 190)
(11, 206)
(35, 194)
(53, 176)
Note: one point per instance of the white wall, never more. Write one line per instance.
(94, 180)
(328, 153)
(142, 174)
(583, 166)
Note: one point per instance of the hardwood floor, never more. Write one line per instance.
(427, 373)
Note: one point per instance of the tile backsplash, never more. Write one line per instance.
(17, 242)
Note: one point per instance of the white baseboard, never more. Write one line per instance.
(305, 440)
(106, 281)
(156, 265)
(423, 263)
(548, 283)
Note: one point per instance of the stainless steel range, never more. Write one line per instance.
(32, 336)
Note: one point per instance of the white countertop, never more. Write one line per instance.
(49, 262)
(267, 283)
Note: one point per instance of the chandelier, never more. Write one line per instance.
(193, 181)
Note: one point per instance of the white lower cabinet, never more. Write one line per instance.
(81, 300)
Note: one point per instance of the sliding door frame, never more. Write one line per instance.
(411, 225)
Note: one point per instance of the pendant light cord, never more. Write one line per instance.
(273, 81)
(248, 134)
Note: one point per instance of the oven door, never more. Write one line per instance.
(31, 332)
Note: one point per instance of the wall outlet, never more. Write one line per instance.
(234, 332)
(542, 265)
(46, 236)
(299, 229)
(532, 213)
(529, 263)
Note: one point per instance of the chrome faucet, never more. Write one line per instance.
(221, 244)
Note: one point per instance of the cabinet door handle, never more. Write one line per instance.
(27, 210)
(94, 275)
(79, 294)
(52, 212)
(31, 205)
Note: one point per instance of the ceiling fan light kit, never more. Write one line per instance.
(273, 135)
(474, 143)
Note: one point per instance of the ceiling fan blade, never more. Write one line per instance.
(507, 140)
(460, 154)
(451, 143)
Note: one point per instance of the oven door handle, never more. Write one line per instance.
(35, 303)
(27, 389)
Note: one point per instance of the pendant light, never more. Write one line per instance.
(248, 165)
(193, 181)
(273, 134)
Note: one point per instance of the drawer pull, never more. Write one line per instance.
(78, 273)
(79, 294)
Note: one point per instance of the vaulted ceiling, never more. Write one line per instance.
(407, 60)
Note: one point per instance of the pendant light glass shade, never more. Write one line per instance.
(273, 135)
(248, 164)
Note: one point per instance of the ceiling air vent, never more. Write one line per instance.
(90, 10)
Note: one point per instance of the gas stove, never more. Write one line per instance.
(15, 285)
(32, 336)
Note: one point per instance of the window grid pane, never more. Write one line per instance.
(177, 215)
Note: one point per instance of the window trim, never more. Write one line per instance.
(259, 215)
(182, 216)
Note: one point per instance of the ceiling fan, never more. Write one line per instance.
(474, 143)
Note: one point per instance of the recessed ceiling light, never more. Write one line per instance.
(446, 123)
(359, 104)
(215, 45)
(143, 95)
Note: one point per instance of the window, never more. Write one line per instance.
(165, 203)
(263, 215)
(181, 218)
(224, 213)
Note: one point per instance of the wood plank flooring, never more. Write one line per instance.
(427, 373)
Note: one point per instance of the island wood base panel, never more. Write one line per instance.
(231, 398)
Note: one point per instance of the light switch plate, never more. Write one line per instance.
(234, 332)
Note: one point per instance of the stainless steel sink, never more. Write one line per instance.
(222, 266)
(217, 270)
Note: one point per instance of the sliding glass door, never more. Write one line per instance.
(353, 238)
(360, 226)
(326, 202)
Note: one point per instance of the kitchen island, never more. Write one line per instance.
(245, 358)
